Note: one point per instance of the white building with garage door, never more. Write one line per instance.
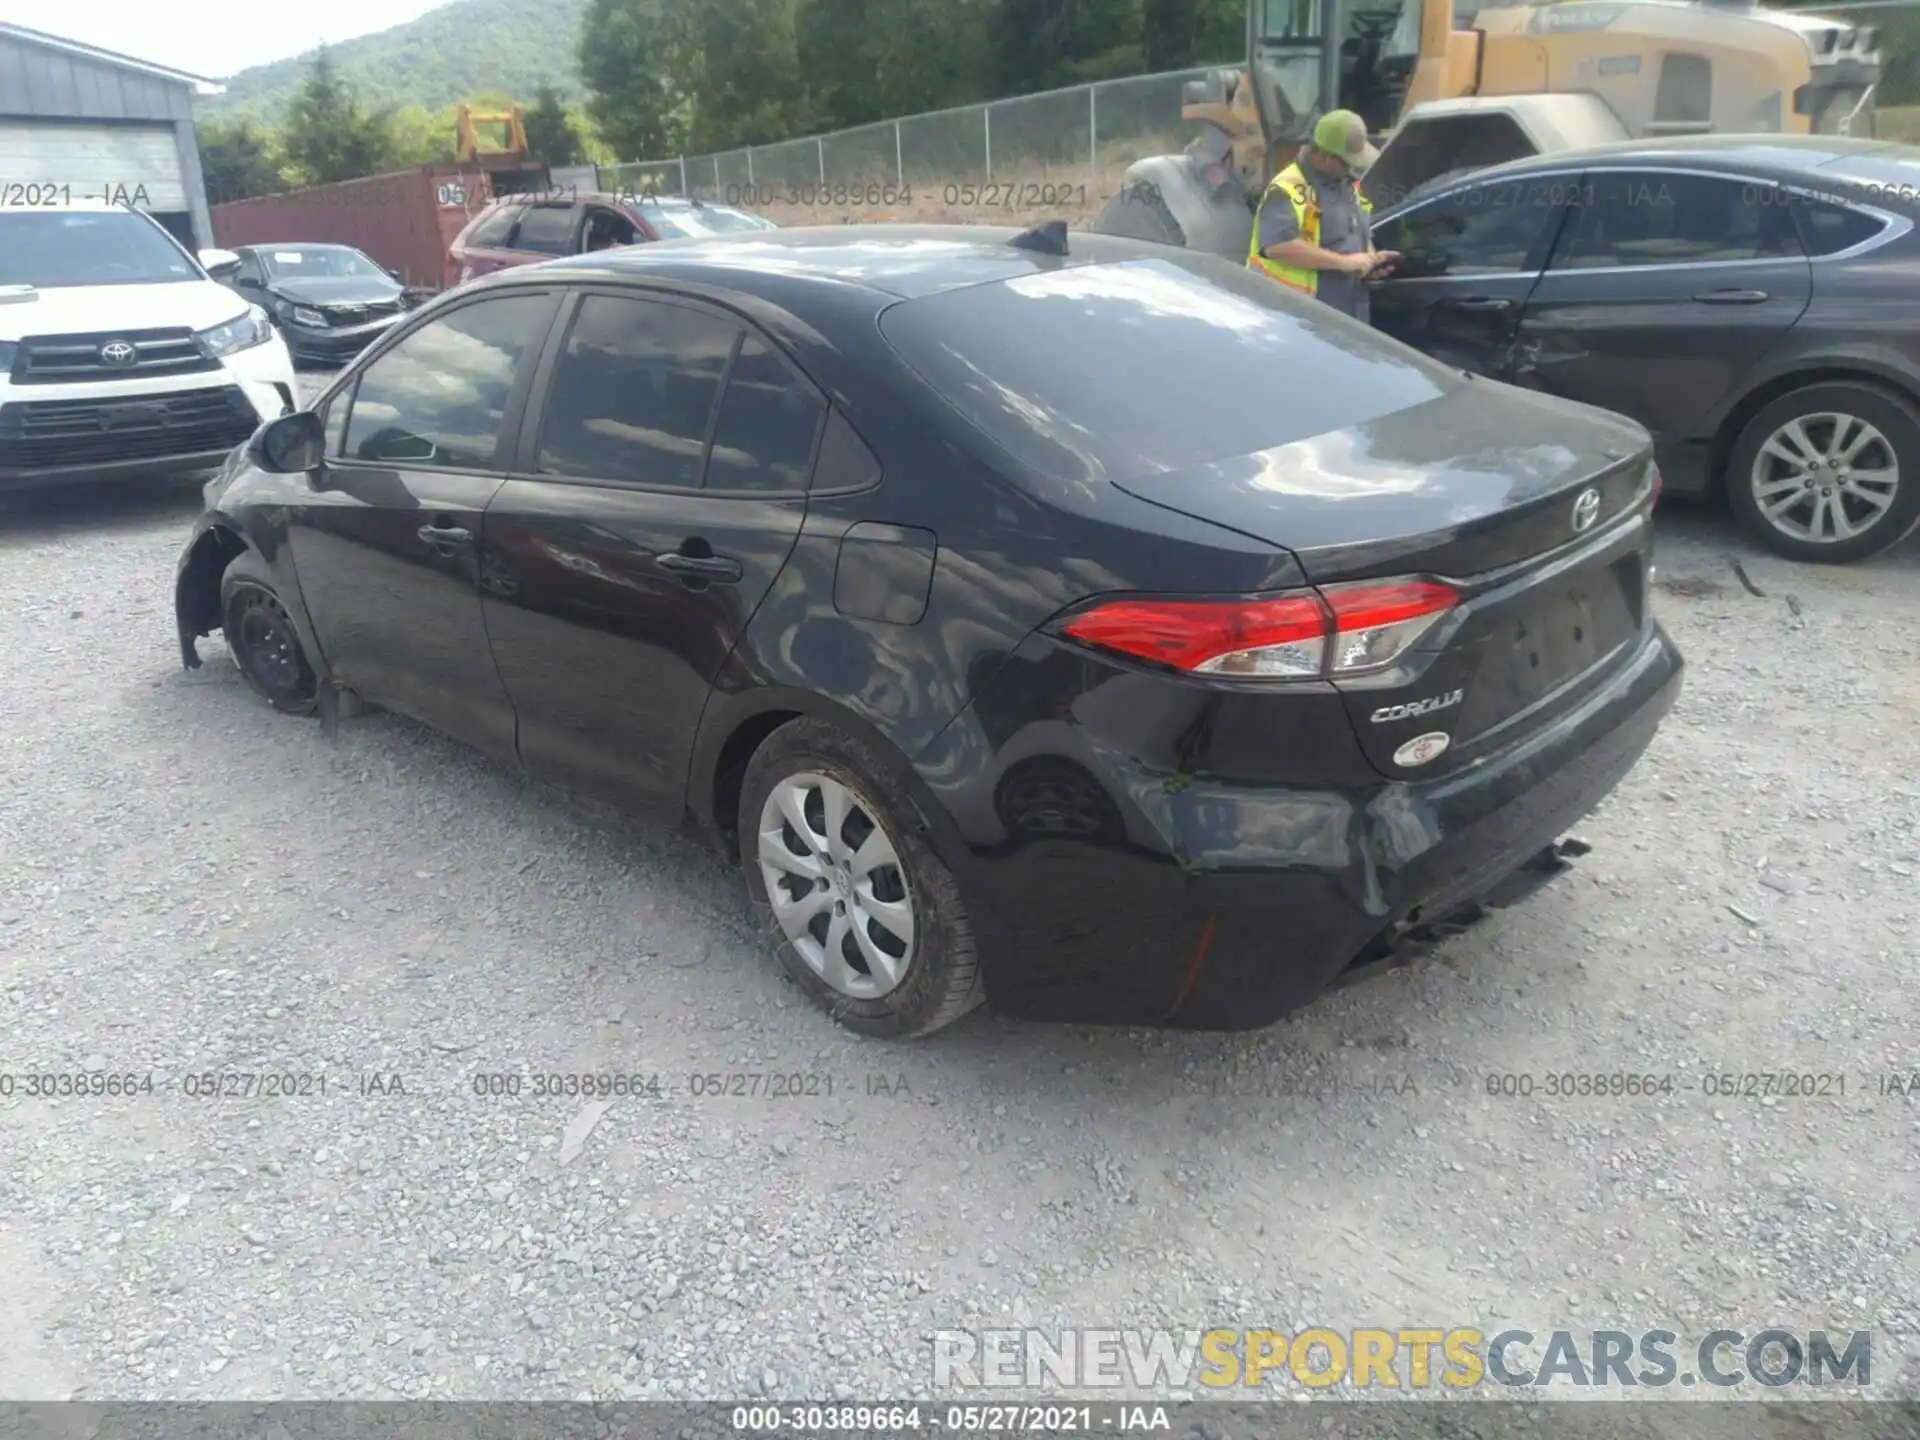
(77, 121)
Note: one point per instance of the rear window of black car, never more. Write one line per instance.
(1118, 370)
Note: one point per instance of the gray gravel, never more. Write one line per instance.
(193, 883)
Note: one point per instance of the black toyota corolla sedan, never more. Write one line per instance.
(1750, 299)
(1106, 635)
(329, 301)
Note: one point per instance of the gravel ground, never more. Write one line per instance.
(193, 883)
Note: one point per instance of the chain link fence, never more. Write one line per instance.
(1061, 152)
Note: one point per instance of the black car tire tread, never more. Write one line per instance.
(943, 982)
(236, 584)
(1892, 414)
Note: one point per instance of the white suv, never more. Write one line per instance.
(119, 355)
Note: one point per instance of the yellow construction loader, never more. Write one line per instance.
(1447, 87)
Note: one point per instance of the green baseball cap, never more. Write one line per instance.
(1343, 135)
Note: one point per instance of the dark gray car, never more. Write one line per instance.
(1751, 300)
(329, 301)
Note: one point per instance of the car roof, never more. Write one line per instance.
(1792, 154)
(92, 206)
(900, 261)
(604, 197)
(614, 198)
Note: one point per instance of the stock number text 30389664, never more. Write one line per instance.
(817, 195)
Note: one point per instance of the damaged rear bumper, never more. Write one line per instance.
(1407, 942)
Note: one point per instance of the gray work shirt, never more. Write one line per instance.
(1344, 228)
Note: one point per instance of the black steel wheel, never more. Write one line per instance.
(267, 648)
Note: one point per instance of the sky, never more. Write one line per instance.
(211, 37)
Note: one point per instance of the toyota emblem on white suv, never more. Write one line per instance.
(117, 352)
(1586, 510)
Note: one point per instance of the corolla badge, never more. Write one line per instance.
(117, 352)
(1422, 748)
(1586, 510)
(1387, 713)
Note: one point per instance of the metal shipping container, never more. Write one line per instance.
(406, 220)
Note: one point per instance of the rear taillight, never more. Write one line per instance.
(1283, 636)
(1375, 624)
(1302, 635)
(1654, 471)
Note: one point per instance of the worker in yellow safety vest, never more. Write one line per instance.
(1313, 231)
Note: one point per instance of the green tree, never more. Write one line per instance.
(1175, 34)
(841, 51)
(236, 159)
(550, 133)
(593, 149)
(422, 136)
(327, 135)
(1899, 54)
(863, 61)
(624, 52)
(941, 49)
(1041, 44)
(740, 65)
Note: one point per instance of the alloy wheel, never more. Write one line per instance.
(836, 884)
(1824, 478)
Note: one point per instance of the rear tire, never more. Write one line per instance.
(263, 642)
(1828, 473)
(868, 920)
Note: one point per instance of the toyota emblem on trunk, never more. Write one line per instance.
(1586, 510)
(117, 352)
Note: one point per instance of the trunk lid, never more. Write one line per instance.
(1476, 480)
(1533, 509)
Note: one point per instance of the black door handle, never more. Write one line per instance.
(1479, 302)
(1732, 297)
(700, 567)
(443, 536)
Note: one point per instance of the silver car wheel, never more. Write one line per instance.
(838, 890)
(1825, 478)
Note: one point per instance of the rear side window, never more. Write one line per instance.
(495, 227)
(1830, 228)
(1653, 217)
(633, 393)
(769, 421)
(844, 462)
(1144, 366)
(545, 229)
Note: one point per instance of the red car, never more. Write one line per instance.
(519, 231)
